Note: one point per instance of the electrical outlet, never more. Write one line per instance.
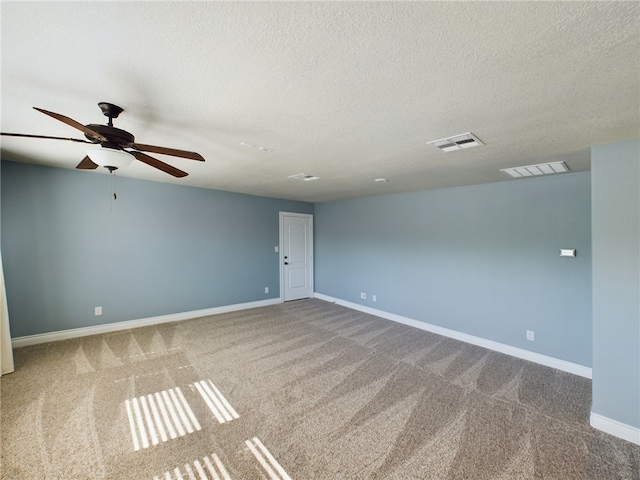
(266, 289)
(98, 311)
(363, 295)
(374, 298)
(530, 335)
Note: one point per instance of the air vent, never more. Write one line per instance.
(304, 177)
(457, 142)
(539, 169)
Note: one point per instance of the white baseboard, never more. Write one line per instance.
(613, 427)
(142, 322)
(552, 362)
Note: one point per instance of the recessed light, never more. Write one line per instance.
(262, 148)
(381, 180)
(304, 177)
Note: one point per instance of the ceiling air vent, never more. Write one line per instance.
(457, 142)
(304, 177)
(540, 169)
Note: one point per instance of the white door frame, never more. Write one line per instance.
(281, 250)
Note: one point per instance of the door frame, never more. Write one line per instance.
(281, 252)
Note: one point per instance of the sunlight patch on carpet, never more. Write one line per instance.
(150, 414)
(207, 469)
(221, 408)
(266, 460)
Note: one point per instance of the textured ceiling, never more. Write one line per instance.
(346, 91)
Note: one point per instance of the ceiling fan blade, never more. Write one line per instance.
(74, 124)
(165, 167)
(169, 151)
(26, 135)
(87, 164)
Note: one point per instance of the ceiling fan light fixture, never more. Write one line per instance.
(110, 158)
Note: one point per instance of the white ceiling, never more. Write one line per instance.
(346, 91)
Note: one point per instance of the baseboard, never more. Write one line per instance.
(613, 427)
(563, 365)
(142, 322)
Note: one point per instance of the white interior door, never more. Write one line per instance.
(296, 258)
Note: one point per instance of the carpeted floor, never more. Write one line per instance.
(303, 390)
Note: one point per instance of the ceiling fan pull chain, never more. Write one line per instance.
(112, 188)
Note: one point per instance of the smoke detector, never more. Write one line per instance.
(457, 142)
(539, 169)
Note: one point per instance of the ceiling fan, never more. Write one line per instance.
(115, 143)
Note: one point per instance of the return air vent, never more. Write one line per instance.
(457, 142)
(539, 169)
(304, 177)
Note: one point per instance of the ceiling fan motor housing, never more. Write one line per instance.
(117, 137)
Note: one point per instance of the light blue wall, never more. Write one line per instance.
(616, 281)
(160, 249)
(483, 260)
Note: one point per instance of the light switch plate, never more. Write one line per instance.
(567, 252)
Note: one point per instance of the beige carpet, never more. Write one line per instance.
(302, 390)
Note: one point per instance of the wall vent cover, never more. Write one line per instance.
(539, 169)
(457, 142)
(304, 177)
